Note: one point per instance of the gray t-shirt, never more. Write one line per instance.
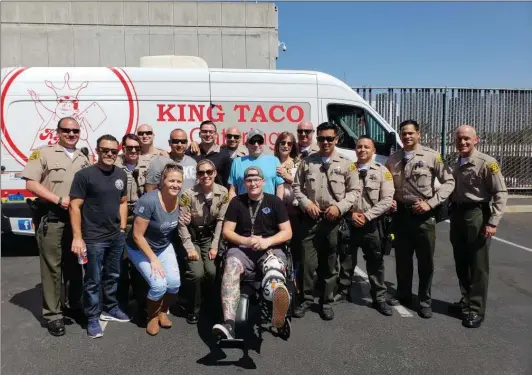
(159, 231)
(157, 165)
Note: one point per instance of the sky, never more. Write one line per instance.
(473, 44)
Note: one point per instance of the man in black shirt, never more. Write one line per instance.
(220, 156)
(98, 214)
(256, 224)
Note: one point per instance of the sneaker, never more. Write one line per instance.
(94, 330)
(281, 303)
(115, 315)
(223, 331)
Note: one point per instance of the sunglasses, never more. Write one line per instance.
(233, 136)
(208, 172)
(322, 139)
(69, 130)
(105, 150)
(254, 141)
(176, 141)
(149, 132)
(285, 143)
(304, 131)
(133, 148)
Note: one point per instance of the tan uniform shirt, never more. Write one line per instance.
(54, 169)
(416, 181)
(313, 148)
(144, 162)
(240, 151)
(378, 195)
(310, 183)
(480, 180)
(193, 201)
(133, 188)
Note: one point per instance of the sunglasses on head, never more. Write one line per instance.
(148, 132)
(285, 143)
(304, 131)
(69, 130)
(133, 148)
(208, 172)
(105, 150)
(322, 138)
(233, 136)
(254, 141)
(176, 141)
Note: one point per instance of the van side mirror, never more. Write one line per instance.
(391, 141)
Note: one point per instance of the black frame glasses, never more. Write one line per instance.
(233, 136)
(304, 131)
(254, 141)
(105, 150)
(69, 130)
(132, 148)
(176, 141)
(322, 138)
(142, 133)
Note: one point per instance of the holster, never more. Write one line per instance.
(198, 233)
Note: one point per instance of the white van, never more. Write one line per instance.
(118, 100)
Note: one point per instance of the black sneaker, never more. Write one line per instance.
(223, 331)
(56, 327)
(425, 312)
(299, 312)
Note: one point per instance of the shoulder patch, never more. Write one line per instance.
(35, 155)
(388, 176)
(494, 167)
(352, 167)
(438, 159)
(225, 199)
(184, 201)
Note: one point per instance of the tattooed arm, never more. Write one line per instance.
(231, 287)
(231, 236)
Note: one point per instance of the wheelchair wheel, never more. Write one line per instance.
(284, 333)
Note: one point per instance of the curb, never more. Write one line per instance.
(518, 209)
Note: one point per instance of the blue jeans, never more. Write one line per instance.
(158, 286)
(102, 271)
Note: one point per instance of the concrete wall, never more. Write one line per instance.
(78, 33)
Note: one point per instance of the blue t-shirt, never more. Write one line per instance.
(162, 224)
(268, 164)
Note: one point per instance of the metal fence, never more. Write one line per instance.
(502, 118)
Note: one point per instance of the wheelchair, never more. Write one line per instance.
(251, 298)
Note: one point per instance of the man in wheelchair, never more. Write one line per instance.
(256, 228)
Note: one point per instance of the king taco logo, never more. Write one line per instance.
(32, 106)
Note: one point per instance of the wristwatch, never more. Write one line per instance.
(60, 201)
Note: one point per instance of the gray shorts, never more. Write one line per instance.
(252, 259)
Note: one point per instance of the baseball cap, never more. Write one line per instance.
(254, 132)
(256, 171)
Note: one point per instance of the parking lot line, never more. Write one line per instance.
(507, 242)
(401, 310)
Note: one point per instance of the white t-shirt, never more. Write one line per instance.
(464, 160)
(70, 152)
(409, 154)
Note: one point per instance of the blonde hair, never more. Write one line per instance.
(168, 168)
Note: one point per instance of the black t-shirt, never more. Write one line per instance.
(222, 161)
(101, 191)
(271, 213)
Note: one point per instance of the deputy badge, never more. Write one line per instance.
(388, 176)
(352, 167)
(35, 155)
(184, 201)
(438, 159)
(494, 167)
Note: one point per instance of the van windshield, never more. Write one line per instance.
(353, 122)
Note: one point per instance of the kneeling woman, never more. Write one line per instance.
(206, 202)
(150, 248)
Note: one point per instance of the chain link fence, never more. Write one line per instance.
(501, 117)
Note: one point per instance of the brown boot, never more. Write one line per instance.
(154, 307)
(168, 301)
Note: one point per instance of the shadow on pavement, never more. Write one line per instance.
(30, 300)
(16, 246)
(438, 306)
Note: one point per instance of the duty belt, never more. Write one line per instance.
(466, 206)
(202, 231)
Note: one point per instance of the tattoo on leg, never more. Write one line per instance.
(231, 287)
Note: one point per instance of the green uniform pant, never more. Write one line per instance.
(58, 264)
(200, 274)
(414, 234)
(368, 238)
(320, 249)
(471, 255)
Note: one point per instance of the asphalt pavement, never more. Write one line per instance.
(358, 341)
